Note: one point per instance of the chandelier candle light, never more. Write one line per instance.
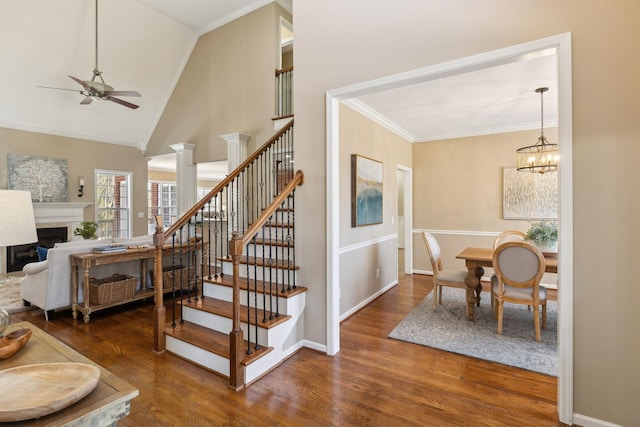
(541, 157)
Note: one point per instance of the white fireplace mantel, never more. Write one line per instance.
(59, 213)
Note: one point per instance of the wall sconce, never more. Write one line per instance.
(81, 182)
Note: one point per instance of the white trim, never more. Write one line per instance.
(407, 174)
(376, 117)
(367, 301)
(229, 18)
(367, 243)
(565, 238)
(315, 346)
(585, 421)
(333, 225)
(458, 232)
(561, 44)
(392, 126)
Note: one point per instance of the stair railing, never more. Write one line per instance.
(237, 247)
(284, 92)
(194, 246)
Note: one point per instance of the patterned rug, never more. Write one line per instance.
(446, 328)
(10, 295)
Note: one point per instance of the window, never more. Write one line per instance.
(162, 200)
(113, 204)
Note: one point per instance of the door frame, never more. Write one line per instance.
(407, 189)
(561, 44)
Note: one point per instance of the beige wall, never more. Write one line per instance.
(83, 158)
(335, 52)
(228, 85)
(366, 267)
(458, 193)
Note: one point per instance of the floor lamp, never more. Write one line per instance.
(17, 222)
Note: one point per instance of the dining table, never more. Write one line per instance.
(478, 258)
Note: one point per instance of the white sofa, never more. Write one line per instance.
(47, 284)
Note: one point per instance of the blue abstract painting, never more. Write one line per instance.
(366, 191)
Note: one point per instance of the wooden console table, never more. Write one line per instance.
(104, 406)
(88, 260)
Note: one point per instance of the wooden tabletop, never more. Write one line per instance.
(484, 258)
(110, 399)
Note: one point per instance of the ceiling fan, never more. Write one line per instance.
(99, 89)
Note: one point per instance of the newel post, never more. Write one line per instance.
(236, 337)
(159, 310)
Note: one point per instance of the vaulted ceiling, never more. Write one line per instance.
(143, 45)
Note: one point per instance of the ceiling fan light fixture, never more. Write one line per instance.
(541, 157)
(99, 89)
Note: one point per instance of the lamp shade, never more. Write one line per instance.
(17, 222)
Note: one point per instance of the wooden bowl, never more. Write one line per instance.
(14, 341)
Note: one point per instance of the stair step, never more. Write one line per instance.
(273, 242)
(277, 224)
(212, 341)
(225, 309)
(262, 262)
(227, 280)
(205, 338)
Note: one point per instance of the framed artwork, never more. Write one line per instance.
(529, 196)
(44, 177)
(366, 191)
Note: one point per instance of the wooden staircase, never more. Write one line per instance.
(203, 334)
(239, 314)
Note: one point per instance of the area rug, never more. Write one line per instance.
(447, 328)
(10, 298)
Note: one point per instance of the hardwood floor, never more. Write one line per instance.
(373, 381)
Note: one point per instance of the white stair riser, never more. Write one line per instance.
(275, 232)
(225, 293)
(278, 338)
(273, 252)
(225, 325)
(275, 274)
(198, 355)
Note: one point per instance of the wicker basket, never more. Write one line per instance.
(111, 289)
(181, 274)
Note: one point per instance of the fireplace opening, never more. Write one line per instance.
(21, 255)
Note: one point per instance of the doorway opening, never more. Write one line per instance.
(561, 46)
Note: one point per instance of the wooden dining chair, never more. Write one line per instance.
(519, 267)
(508, 236)
(441, 277)
(505, 236)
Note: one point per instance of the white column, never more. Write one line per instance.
(186, 176)
(236, 149)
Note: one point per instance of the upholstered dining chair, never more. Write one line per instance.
(441, 277)
(519, 267)
(504, 237)
(508, 236)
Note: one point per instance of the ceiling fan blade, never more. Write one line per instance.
(87, 100)
(80, 82)
(124, 93)
(60, 88)
(122, 102)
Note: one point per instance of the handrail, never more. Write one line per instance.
(234, 174)
(283, 70)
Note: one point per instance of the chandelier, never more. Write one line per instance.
(541, 157)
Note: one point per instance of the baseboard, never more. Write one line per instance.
(315, 346)
(364, 303)
(585, 421)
